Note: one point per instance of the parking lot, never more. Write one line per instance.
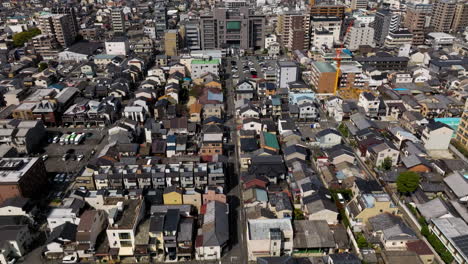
(55, 151)
(243, 65)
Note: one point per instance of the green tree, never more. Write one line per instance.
(407, 182)
(362, 241)
(42, 66)
(298, 214)
(387, 164)
(343, 130)
(20, 38)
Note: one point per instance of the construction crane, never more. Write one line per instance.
(338, 59)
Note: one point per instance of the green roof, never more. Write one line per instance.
(215, 61)
(271, 140)
(233, 25)
(324, 66)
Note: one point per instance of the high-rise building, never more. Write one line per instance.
(360, 34)
(160, 18)
(328, 9)
(192, 36)
(171, 42)
(385, 21)
(232, 28)
(359, 4)
(443, 13)
(293, 30)
(67, 11)
(60, 27)
(118, 20)
(416, 20)
(332, 24)
(462, 130)
(460, 20)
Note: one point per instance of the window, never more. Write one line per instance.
(124, 235)
(125, 243)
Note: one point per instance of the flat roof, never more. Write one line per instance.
(324, 66)
(214, 61)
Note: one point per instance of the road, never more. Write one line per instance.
(238, 250)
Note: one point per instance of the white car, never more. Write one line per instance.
(235, 76)
(45, 157)
(80, 157)
(69, 259)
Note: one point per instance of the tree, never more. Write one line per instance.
(343, 130)
(407, 182)
(362, 241)
(387, 164)
(298, 214)
(42, 66)
(20, 38)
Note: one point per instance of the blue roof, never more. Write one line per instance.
(57, 86)
(171, 138)
(187, 79)
(275, 101)
(261, 195)
(215, 96)
(401, 89)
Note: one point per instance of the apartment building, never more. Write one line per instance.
(171, 42)
(385, 21)
(293, 30)
(361, 34)
(462, 131)
(453, 233)
(286, 72)
(323, 77)
(443, 12)
(327, 9)
(60, 26)
(118, 20)
(417, 20)
(331, 24)
(25, 177)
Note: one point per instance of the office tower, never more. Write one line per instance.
(232, 28)
(293, 30)
(443, 12)
(360, 34)
(118, 20)
(416, 20)
(385, 21)
(460, 20)
(192, 35)
(58, 26)
(160, 18)
(171, 42)
(359, 4)
(328, 9)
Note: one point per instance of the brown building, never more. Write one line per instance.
(327, 9)
(460, 20)
(443, 12)
(293, 30)
(171, 42)
(462, 131)
(60, 26)
(24, 111)
(323, 77)
(415, 20)
(25, 177)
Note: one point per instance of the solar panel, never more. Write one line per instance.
(462, 243)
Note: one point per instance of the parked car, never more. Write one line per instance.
(65, 156)
(80, 157)
(45, 157)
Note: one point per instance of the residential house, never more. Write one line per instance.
(370, 103)
(60, 240)
(314, 236)
(319, 206)
(91, 224)
(365, 206)
(245, 90)
(172, 195)
(437, 136)
(379, 152)
(452, 232)
(213, 236)
(328, 138)
(269, 237)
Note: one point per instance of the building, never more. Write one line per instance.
(323, 77)
(293, 30)
(453, 233)
(398, 38)
(327, 9)
(160, 18)
(360, 34)
(117, 46)
(462, 131)
(24, 177)
(365, 206)
(385, 62)
(68, 11)
(331, 24)
(123, 223)
(460, 20)
(416, 20)
(359, 4)
(213, 236)
(385, 21)
(269, 237)
(286, 72)
(118, 20)
(46, 46)
(171, 42)
(192, 39)
(200, 67)
(436, 136)
(60, 26)
(443, 12)
(232, 28)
